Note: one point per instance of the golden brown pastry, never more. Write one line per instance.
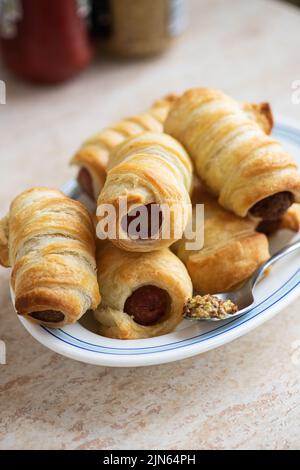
(291, 219)
(247, 170)
(4, 256)
(48, 240)
(143, 294)
(232, 249)
(150, 172)
(262, 114)
(92, 157)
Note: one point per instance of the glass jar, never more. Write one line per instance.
(136, 28)
(44, 41)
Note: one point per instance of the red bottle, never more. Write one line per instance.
(44, 41)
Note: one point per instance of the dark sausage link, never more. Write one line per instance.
(85, 181)
(273, 207)
(48, 316)
(269, 226)
(153, 224)
(147, 305)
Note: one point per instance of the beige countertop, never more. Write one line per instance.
(243, 395)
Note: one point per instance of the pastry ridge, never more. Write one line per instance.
(95, 151)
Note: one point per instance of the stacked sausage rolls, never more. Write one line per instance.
(245, 180)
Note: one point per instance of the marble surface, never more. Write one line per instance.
(243, 395)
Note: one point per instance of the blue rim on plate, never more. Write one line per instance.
(270, 301)
(88, 351)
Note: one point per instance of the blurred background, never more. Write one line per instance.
(71, 67)
(49, 42)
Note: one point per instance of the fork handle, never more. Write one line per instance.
(280, 254)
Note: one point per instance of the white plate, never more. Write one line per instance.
(272, 295)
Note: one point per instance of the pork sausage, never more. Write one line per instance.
(153, 223)
(85, 181)
(48, 316)
(147, 305)
(273, 207)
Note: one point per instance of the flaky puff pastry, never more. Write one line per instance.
(291, 219)
(143, 294)
(149, 170)
(48, 240)
(234, 157)
(232, 249)
(94, 153)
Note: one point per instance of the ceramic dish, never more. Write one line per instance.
(273, 294)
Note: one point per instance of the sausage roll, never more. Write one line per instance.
(149, 178)
(248, 171)
(92, 157)
(232, 249)
(48, 240)
(291, 219)
(143, 294)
